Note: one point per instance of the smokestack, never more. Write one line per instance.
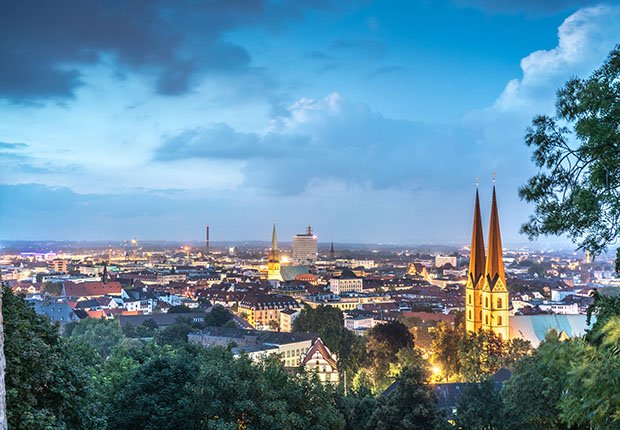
(207, 238)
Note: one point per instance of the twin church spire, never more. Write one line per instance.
(486, 296)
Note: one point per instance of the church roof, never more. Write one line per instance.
(477, 258)
(495, 265)
(290, 272)
(535, 327)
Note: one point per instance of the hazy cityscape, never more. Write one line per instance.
(265, 215)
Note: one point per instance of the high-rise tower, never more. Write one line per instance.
(273, 264)
(475, 274)
(494, 292)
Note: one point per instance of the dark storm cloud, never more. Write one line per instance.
(43, 45)
(527, 6)
(327, 139)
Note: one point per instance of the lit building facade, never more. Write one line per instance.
(318, 359)
(305, 246)
(487, 295)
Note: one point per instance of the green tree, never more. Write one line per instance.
(604, 308)
(179, 309)
(481, 354)
(52, 288)
(348, 347)
(533, 392)
(480, 407)
(102, 334)
(411, 406)
(218, 316)
(591, 395)
(445, 350)
(312, 320)
(159, 389)
(577, 190)
(48, 386)
(174, 335)
(383, 342)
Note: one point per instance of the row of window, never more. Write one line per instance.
(486, 319)
(486, 301)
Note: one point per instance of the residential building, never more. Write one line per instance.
(320, 360)
(264, 309)
(287, 316)
(58, 265)
(341, 284)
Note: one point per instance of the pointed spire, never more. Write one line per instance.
(274, 239)
(495, 263)
(476, 259)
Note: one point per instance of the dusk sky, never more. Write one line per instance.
(368, 120)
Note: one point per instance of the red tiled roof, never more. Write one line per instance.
(91, 289)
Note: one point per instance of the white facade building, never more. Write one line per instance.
(342, 285)
(305, 246)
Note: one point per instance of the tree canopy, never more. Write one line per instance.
(577, 189)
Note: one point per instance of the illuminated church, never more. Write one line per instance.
(486, 298)
(273, 264)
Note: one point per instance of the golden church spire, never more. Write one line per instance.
(274, 239)
(475, 274)
(495, 264)
(477, 258)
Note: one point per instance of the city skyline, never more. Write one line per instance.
(369, 122)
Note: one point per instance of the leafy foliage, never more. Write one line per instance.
(102, 334)
(47, 385)
(313, 320)
(577, 190)
(383, 343)
(411, 406)
(480, 407)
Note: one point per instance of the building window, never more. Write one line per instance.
(499, 303)
(486, 302)
(470, 314)
(470, 299)
(486, 320)
(499, 320)
(480, 315)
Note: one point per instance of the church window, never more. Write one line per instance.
(499, 303)
(486, 320)
(470, 299)
(486, 302)
(480, 315)
(470, 314)
(499, 320)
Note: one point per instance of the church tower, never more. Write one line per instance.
(494, 292)
(273, 265)
(475, 274)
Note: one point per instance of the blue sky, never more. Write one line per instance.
(368, 120)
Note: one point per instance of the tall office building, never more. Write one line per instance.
(305, 246)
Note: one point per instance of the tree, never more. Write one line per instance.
(47, 386)
(52, 288)
(102, 334)
(445, 349)
(480, 407)
(577, 190)
(604, 308)
(312, 320)
(533, 392)
(411, 406)
(179, 309)
(349, 348)
(383, 343)
(218, 316)
(481, 354)
(174, 335)
(591, 395)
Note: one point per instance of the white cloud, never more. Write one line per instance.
(584, 40)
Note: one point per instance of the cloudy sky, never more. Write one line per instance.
(368, 120)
